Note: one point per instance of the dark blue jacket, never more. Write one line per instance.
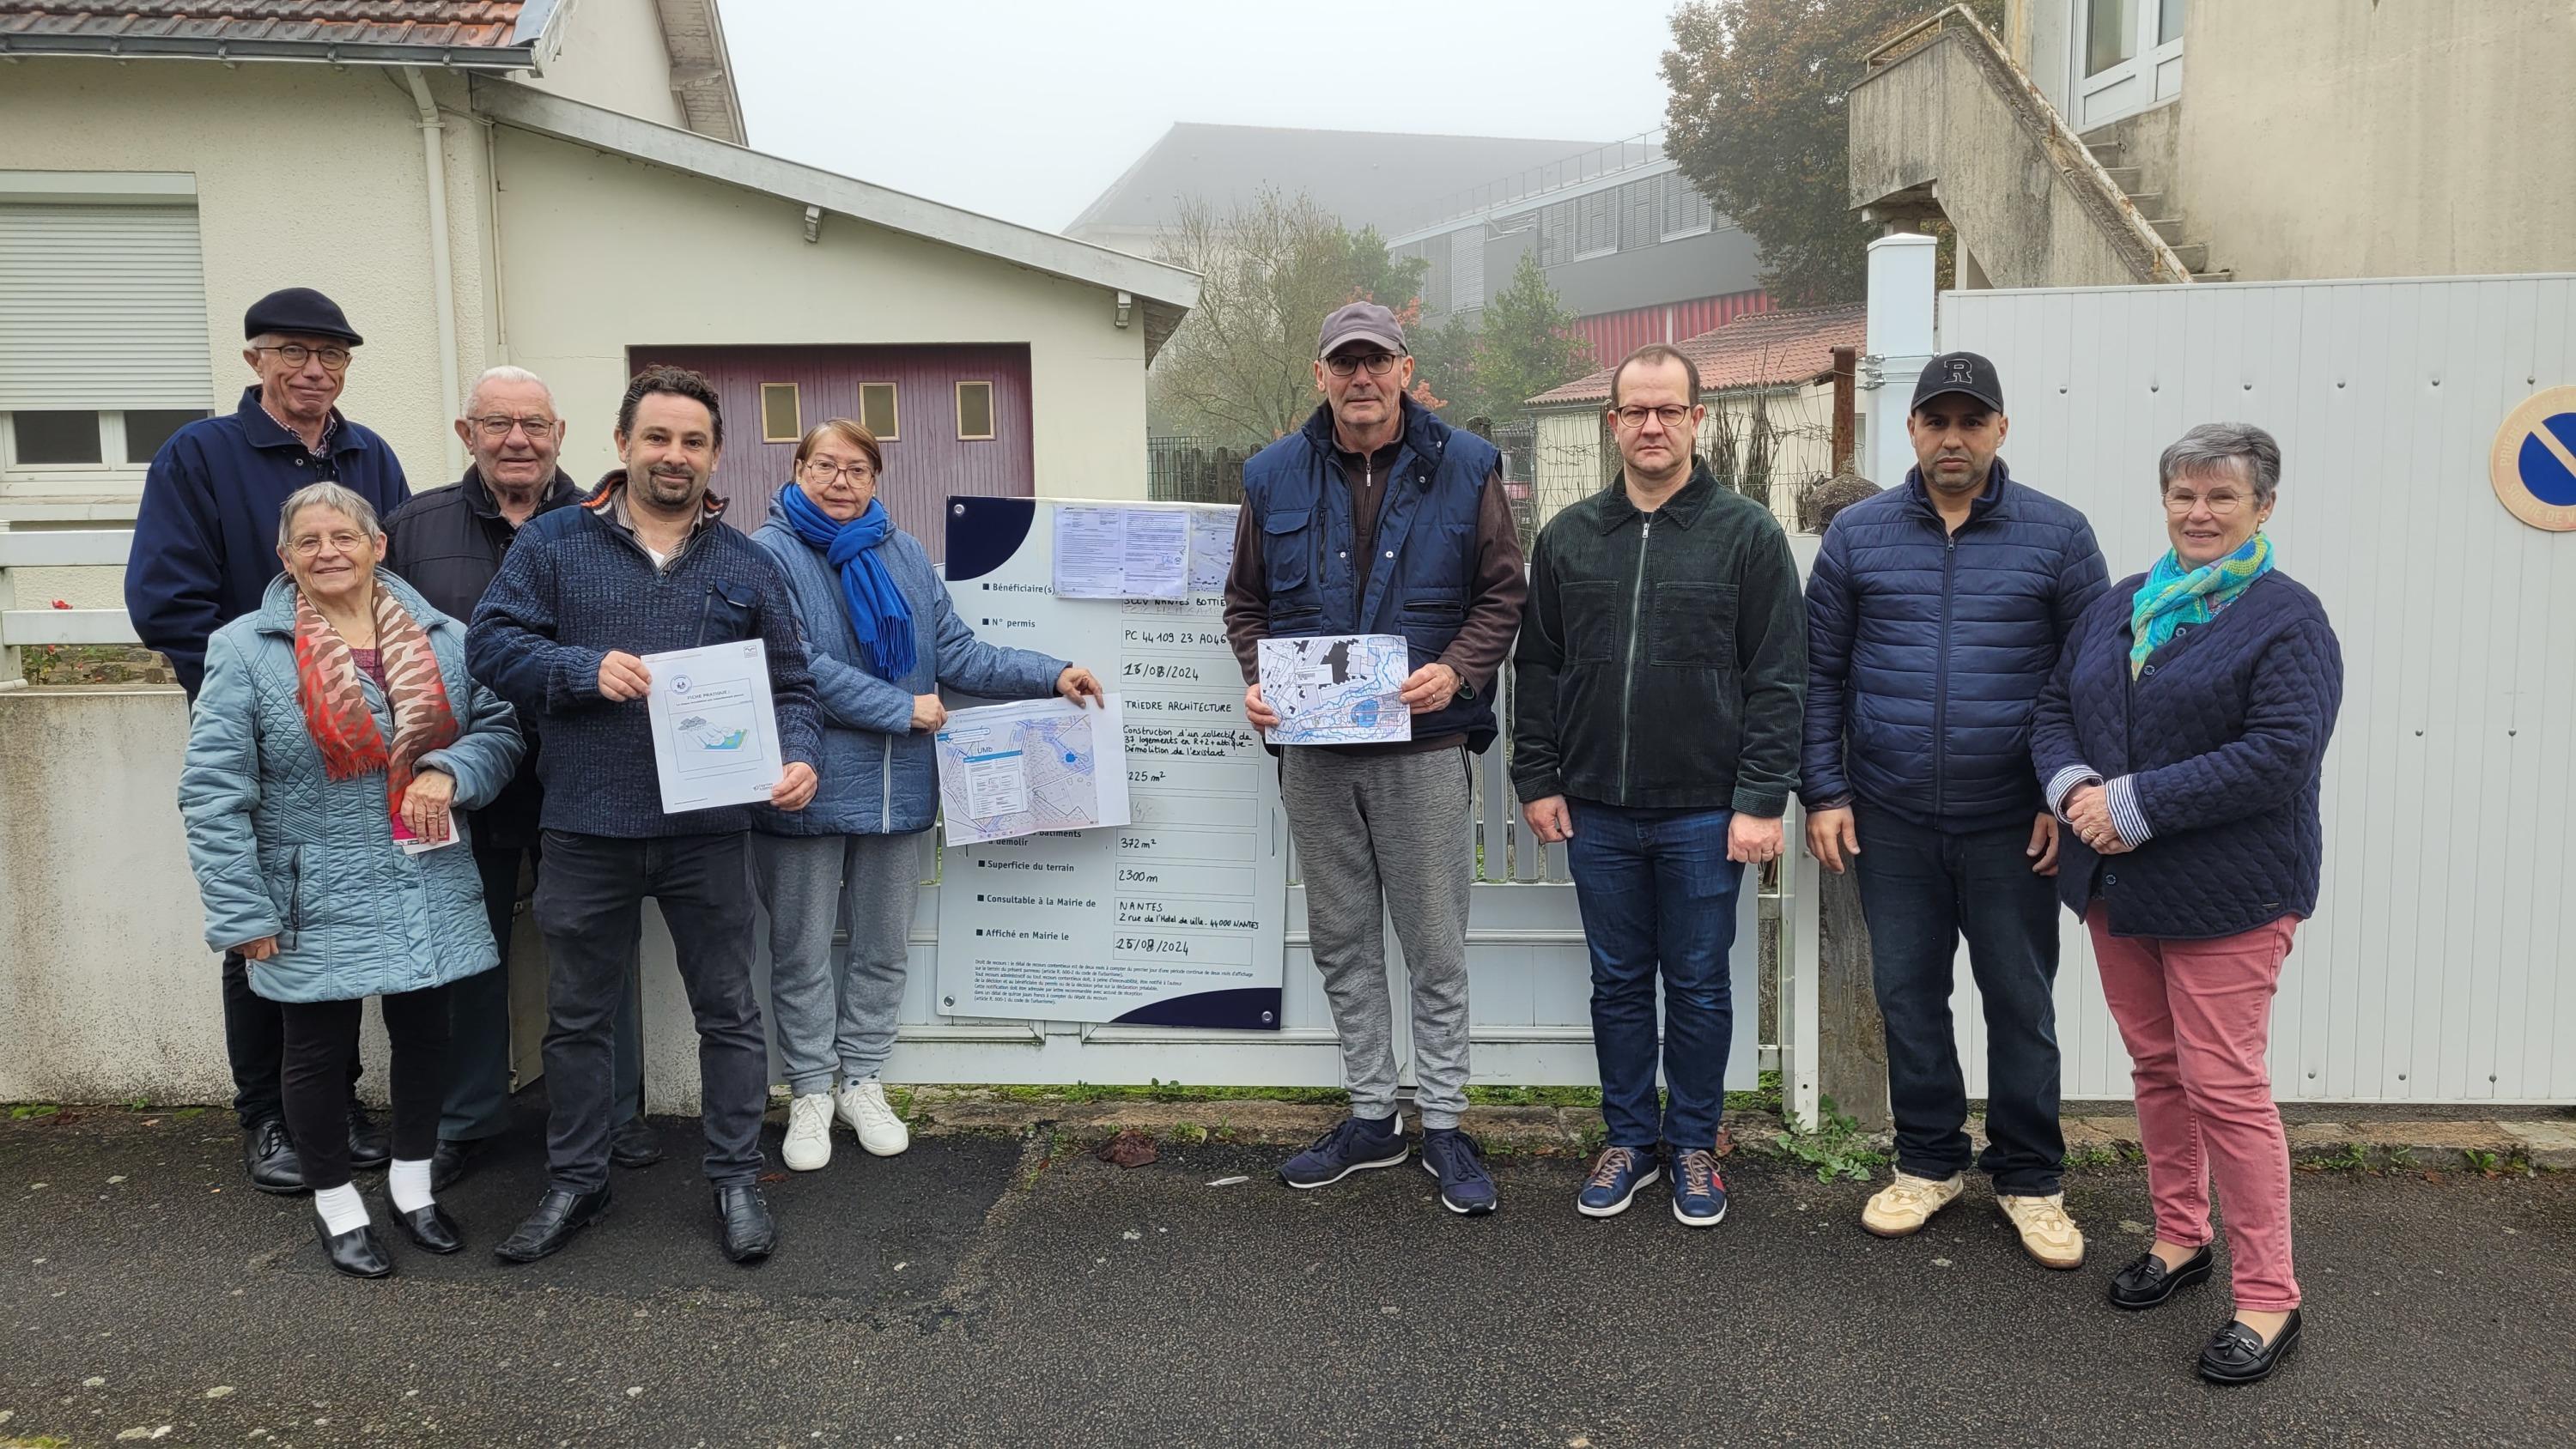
(1423, 581)
(2222, 742)
(1926, 649)
(576, 585)
(205, 538)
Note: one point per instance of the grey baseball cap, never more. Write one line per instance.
(1361, 322)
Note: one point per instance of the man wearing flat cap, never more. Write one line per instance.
(205, 548)
(1378, 518)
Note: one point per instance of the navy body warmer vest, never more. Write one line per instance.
(1425, 569)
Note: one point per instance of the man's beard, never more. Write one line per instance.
(667, 490)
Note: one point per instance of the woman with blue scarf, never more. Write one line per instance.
(882, 637)
(2183, 742)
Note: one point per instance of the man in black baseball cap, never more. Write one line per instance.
(205, 547)
(1934, 614)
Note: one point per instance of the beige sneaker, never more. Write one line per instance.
(1902, 1207)
(2047, 1233)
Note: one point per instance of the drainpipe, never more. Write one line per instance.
(442, 269)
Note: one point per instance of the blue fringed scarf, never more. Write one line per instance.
(879, 615)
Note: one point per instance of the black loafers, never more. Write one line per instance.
(268, 1155)
(370, 1146)
(2147, 1282)
(430, 1229)
(357, 1252)
(449, 1164)
(558, 1216)
(745, 1226)
(634, 1143)
(2238, 1355)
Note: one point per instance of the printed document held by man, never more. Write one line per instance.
(1336, 689)
(715, 734)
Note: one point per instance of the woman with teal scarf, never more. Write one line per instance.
(2182, 741)
(883, 638)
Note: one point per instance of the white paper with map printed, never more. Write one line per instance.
(1336, 689)
(1007, 770)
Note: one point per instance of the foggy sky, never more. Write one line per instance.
(1026, 110)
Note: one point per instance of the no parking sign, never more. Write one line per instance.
(2533, 465)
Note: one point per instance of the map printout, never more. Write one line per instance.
(1008, 770)
(1336, 689)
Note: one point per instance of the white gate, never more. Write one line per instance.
(2434, 970)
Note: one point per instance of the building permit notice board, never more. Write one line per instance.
(1175, 918)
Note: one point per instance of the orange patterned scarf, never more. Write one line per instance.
(344, 729)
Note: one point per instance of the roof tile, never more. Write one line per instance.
(457, 23)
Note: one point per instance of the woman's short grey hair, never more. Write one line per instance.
(2205, 447)
(351, 504)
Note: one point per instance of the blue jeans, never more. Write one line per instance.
(1658, 896)
(1922, 890)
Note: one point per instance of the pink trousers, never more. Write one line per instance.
(2196, 1017)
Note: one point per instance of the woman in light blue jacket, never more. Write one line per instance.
(882, 636)
(335, 733)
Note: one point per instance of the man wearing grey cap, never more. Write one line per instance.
(1935, 614)
(205, 548)
(1378, 518)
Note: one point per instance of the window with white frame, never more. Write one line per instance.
(2128, 56)
(103, 343)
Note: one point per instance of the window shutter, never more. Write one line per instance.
(102, 307)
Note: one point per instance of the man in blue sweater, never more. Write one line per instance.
(1934, 617)
(642, 566)
(205, 547)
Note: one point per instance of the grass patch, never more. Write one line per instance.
(1535, 1096)
(1161, 1091)
(28, 1111)
(1834, 1146)
(1763, 1098)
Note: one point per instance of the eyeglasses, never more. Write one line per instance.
(1634, 417)
(334, 359)
(1379, 364)
(310, 545)
(2221, 503)
(499, 426)
(857, 475)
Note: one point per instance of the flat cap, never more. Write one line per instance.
(298, 309)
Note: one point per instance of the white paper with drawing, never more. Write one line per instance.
(715, 732)
(1008, 770)
(1336, 689)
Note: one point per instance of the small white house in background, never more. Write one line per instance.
(559, 184)
(1767, 381)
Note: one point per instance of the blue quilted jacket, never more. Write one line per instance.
(1926, 650)
(281, 849)
(2221, 740)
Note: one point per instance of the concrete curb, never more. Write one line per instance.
(2433, 1143)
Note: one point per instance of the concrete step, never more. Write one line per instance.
(2221, 275)
(2194, 258)
(2106, 152)
(2168, 227)
(2125, 177)
(2148, 203)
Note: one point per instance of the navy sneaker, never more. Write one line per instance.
(1453, 1157)
(1616, 1175)
(1354, 1144)
(1699, 1194)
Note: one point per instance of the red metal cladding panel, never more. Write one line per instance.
(1614, 335)
(925, 462)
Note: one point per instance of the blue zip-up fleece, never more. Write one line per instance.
(205, 536)
(576, 585)
(2222, 742)
(880, 776)
(281, 849)
(1926, 650)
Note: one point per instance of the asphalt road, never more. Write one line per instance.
(962, 1294)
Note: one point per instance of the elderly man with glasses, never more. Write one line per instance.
(1378, 518)
(448, 543)
(205, 548)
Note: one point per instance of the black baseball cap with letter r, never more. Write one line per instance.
(1959, 372)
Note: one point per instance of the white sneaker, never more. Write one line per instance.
(809, 1132)
(864, 1107)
